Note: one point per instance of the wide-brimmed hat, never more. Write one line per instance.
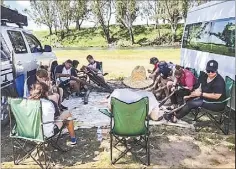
(138, 79)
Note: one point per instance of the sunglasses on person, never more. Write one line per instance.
(210, 71)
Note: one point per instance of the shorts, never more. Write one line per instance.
(64, 84)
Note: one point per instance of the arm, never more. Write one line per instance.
(58, 75)
(214, 96)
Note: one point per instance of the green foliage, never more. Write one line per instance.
(94, 37)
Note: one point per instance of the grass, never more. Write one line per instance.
(94, 37)
(120, 62)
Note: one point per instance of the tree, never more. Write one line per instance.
(126, 15)
(146, 11)
(102, 10)
(63, 15)
(172, 13)
(80, 12)
(42, 13)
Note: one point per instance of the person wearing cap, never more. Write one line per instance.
(210, 87)
(162, 80)
(135, 83)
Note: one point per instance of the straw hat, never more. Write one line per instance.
(138, 78)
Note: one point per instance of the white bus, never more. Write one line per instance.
(210, 34)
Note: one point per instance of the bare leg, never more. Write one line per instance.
(55, 97)
(75, 85)
(69, 125)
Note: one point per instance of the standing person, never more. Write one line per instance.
(210, 87)
(154, 73)
(39, 91)
(65, 74)
(185, 80)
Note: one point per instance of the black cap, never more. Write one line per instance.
(212, 65)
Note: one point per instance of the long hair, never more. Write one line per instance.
(39, 90)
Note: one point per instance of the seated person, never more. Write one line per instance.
(39, 91)
(130, 95)
(186, 80)
(154, 73)
(95, 66)
(42, 76)
(138, 81)
(75, 64)
(210, 87)
(66, 76)
(162, 79)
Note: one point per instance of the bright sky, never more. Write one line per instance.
(21, 5)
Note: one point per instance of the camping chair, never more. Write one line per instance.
(98, 80)
(130, 121)
(27, 135)
(224, 114)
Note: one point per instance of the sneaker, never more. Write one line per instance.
(71, 143)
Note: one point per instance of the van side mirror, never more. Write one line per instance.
(47, 48)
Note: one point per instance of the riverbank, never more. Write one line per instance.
(120, 62)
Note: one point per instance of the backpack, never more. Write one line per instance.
(164, 69)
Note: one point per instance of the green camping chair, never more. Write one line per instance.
(130, 121)
(28, 131)
(224, 114)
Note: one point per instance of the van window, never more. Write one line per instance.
(215, 37)
(33, 42)
(17, 41)
(222, 37)
(5, 52)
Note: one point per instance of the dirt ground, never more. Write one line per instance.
(170, 146)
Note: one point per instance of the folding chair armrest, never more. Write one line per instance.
(106, 112)
(226, 100)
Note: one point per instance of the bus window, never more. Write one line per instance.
(222, 37)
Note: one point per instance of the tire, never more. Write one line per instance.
(9, 91)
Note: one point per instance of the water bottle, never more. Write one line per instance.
(86, 97)
(99, 133)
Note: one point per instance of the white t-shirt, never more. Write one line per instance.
(94, 65)
(131, 95)
(48, 111)
(67, 72)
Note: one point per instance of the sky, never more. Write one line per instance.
(21, 5)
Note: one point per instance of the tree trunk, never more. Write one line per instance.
(62, 34)
(173, 30)
(78, 24)
(50, 30)
(131, 35)
(156, 23)
(147, 23)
